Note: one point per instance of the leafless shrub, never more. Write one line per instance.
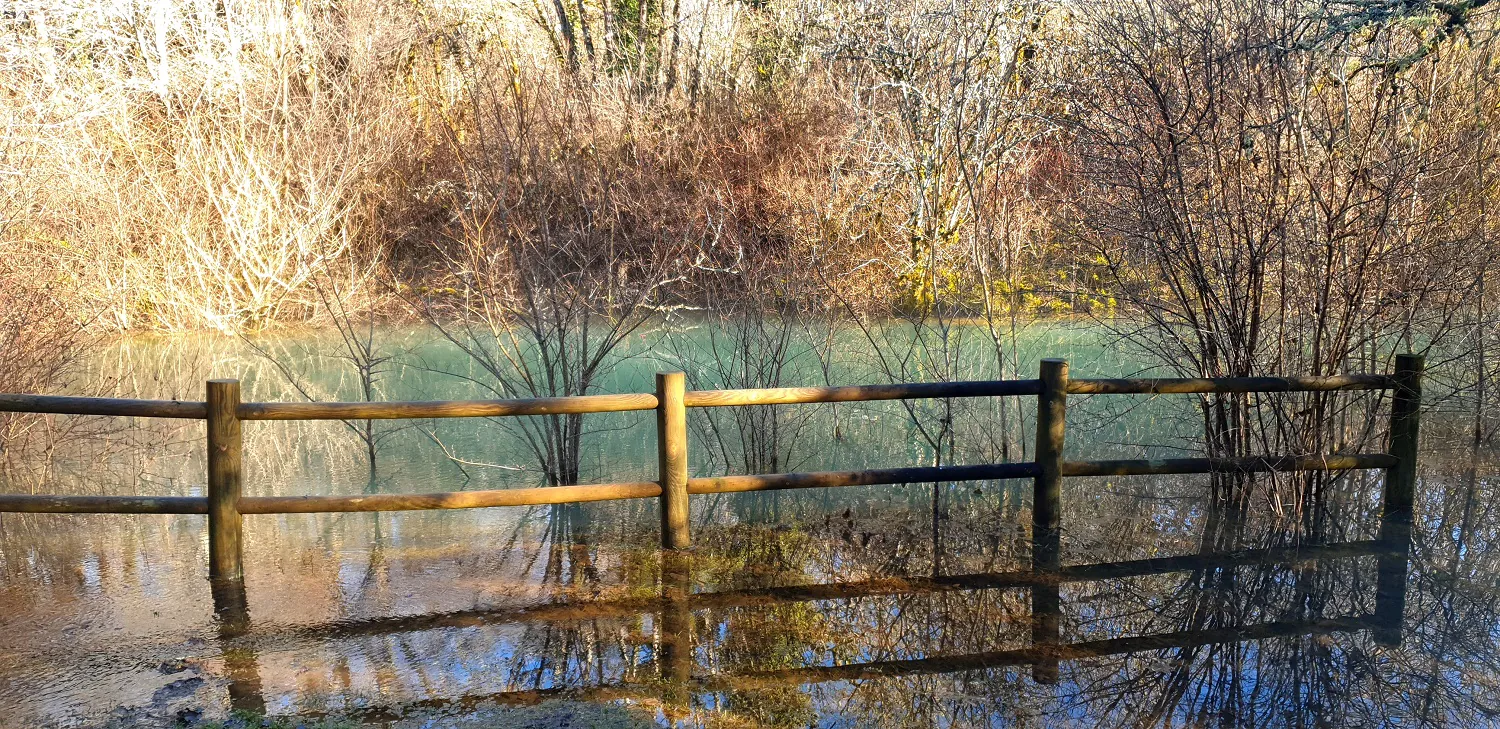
(765, 328)
(40, 337)
(543, 282)
(364, 352)
(1263, 206)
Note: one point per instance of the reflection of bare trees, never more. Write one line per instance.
(1242, 639)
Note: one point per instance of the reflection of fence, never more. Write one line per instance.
(224, 414)
(675, 677)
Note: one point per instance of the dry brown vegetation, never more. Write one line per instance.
(196, 165)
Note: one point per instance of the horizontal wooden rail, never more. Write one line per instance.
(824, 479)
(1229, 384)
(650, 489)
(449, 500)
(38, 504)
(1258, 464)
(446, 408)
(629, 402)
(57, 405)
(859, 393)
(225, 503)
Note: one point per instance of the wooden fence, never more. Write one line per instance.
(225, 506)
(224, 413)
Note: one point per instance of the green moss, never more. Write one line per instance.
(245, 720)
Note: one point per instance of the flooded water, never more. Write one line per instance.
(862, 606)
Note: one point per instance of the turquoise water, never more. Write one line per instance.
(457, 454)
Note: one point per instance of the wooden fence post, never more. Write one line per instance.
(225, 461)
(1398, 499)
(671, 457)
(1046, 513)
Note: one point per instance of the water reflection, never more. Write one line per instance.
(690, 654)
(824, 617)
(1162, 605)
(241, 666)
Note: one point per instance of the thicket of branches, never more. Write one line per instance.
(1267, 191)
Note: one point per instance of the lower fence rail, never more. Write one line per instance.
(584, 493)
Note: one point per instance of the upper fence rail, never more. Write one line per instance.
(541, 496)
(631, 402)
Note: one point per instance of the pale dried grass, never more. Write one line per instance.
(203, 160)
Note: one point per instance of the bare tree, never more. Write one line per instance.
(762, 331)
(1262, 206)
(544, 282)
(41, 337)
(943, 101)
(363, 351)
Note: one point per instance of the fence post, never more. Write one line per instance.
(1046, 512)
(671, 457)
(225, 459)
(1397, 500)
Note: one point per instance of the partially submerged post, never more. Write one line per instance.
(671, 456)
(1046, 512)
(1398, 499)
(225, 462)
(676, 659)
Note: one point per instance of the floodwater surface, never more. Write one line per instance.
(862, 606)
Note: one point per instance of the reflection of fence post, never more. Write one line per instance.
(671, 456)
(241, 665)
(225, 462)
(676, 664)
(1046, 513)
(1397, 500)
